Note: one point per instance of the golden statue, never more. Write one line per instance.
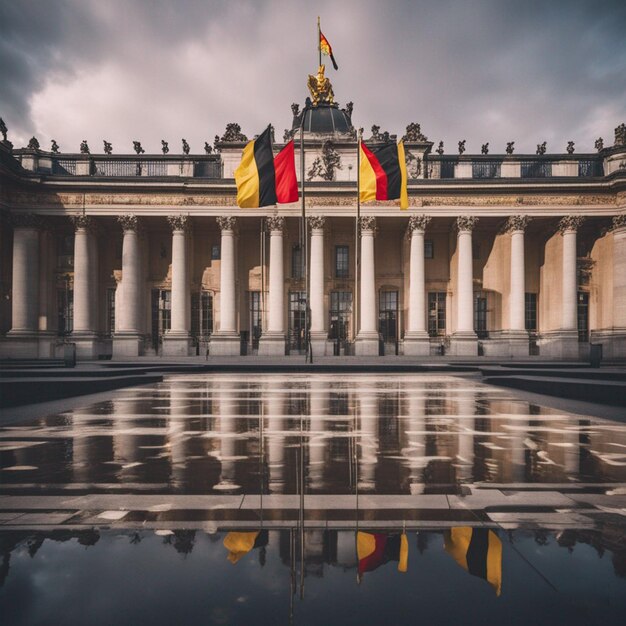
(320, 88)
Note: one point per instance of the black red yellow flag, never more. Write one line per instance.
(376, 549)
(478, 551)
(326, 49)
(263, 180)
(382, 174)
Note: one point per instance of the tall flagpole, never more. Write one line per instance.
(319, 41)
(304, 249)
(357, 241)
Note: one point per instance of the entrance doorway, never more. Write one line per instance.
(583, 316)
(340, 312)
(161, 316)
(297, 323)
(388, 321)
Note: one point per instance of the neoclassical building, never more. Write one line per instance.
(146, 254)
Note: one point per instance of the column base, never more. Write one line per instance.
(464, 343)
(560, 344)
(366, 344)
(225, 344)
(176, 344)
(127, 345)
(20, 344)
(272, 344)
(416, 343)
(87, 345)
(507, 343)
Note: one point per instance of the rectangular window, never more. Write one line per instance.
(447, 169)
(202, 314)
(388, 315)
(110, 311)
(590, 168)
(65, 252)
(429, 249)
(297, 265)
(65, 311)
(342, 263)
(436, 313)
(161, 314)
(480, 315)
(215, 252)
(254, 303)
(536, 169)
(583, 316)
(339, 314)
(486, 169)
(530, 312)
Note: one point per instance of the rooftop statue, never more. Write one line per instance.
(54, 148)
(599, 145)
(165, 146)
(233, 133)
(207, 148)
(462, 146)
(185, 146)
(3, 129)
(485, 148)
(84, 147)
(320, 88)
(541, 148)
(620, 135)
(570, 147)
(33, 144)
(108, 147)
(414, 133)
(137, 147)
(439, 148)
(510, 147)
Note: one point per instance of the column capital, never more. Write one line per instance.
(418, 222)
(466, 223)
(368, 222)
(178, 222)
(226, 222)
(570, 223)
(516, 222)
(619, 221)
(128, 222)
(276, 222)
(316, 222)
(81, 221)
(27, 220)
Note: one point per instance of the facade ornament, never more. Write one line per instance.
(620, 135)
(185, 146)
(466, 222)
(137, 147)
(516, 222)
(619, 221)
(320, 88)
(418, 222)
(216, 141)
(378, 137)
(207, 148)
(108, 147)
(367, 222)
(26, 220)
(82, 221)
(484, 149)
(3, 129)
(570, 147)
(462, 146)
(275, 222)
(599, 144)
(54, 147)
(165, 146)
(316, 222)
(570, 222)
(414, 133)
(227, 222)
(232, 134)
(541, 148)
(510, 147)
(128, 222)
(84, 147)
(440, 148)
(413, 165)
(325, 165)
(33, 144)
(178, 222)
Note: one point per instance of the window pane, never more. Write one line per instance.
(429, 249)
(342, 266)
(297, 269)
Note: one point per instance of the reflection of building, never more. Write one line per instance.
(520, 252)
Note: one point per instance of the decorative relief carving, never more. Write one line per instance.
(82, 221)
(128, 222)
(414, 134)
(516, 222)
(316, 222)
(413, 165)
(466, 222)
(275, 222)
(178, 222)
(418, 222)
(619, 221)
(227, 222)
(325, 165)
(26, 220)
(570, 222)
(367, 222)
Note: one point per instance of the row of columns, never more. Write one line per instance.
(226, 340)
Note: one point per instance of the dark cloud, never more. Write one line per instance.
(496, 70)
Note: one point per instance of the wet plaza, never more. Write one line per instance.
(308, 499)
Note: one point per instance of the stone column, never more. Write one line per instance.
(464, 341)
(416, 341)
(225, 342)
(516, 335)
(176, 341)
(84, 334)
(615, 339)
(272, 342)
(128, 341)
(319, 334)
(23, 336)
(366, 343)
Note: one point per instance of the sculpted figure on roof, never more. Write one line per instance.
(320, 88)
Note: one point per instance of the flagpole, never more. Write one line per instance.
(319, 41)
(305, 252)
(357, 246)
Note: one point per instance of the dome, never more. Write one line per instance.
(327, 119)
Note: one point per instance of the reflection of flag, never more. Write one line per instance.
(382, 174)
(239, 544)
(478, 551)
(263, 180)
(326, 49)
(376, 549)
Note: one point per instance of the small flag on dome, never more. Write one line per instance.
(326, 49)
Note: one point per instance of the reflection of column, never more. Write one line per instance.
(125, 444)
(415, 451)
(367, 339)
(272, 341)
(464, 341)
(318, 319)
(225, 342)
(275, 420)
(82, 457)
(517, 450)
(317, 440)
(128, 341)
(416, 340)
(466, 409)
(227, 397)
(368, 412)
(176, 440)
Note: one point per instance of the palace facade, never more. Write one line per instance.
(129, 255)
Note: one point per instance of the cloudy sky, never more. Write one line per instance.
(481, 70)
